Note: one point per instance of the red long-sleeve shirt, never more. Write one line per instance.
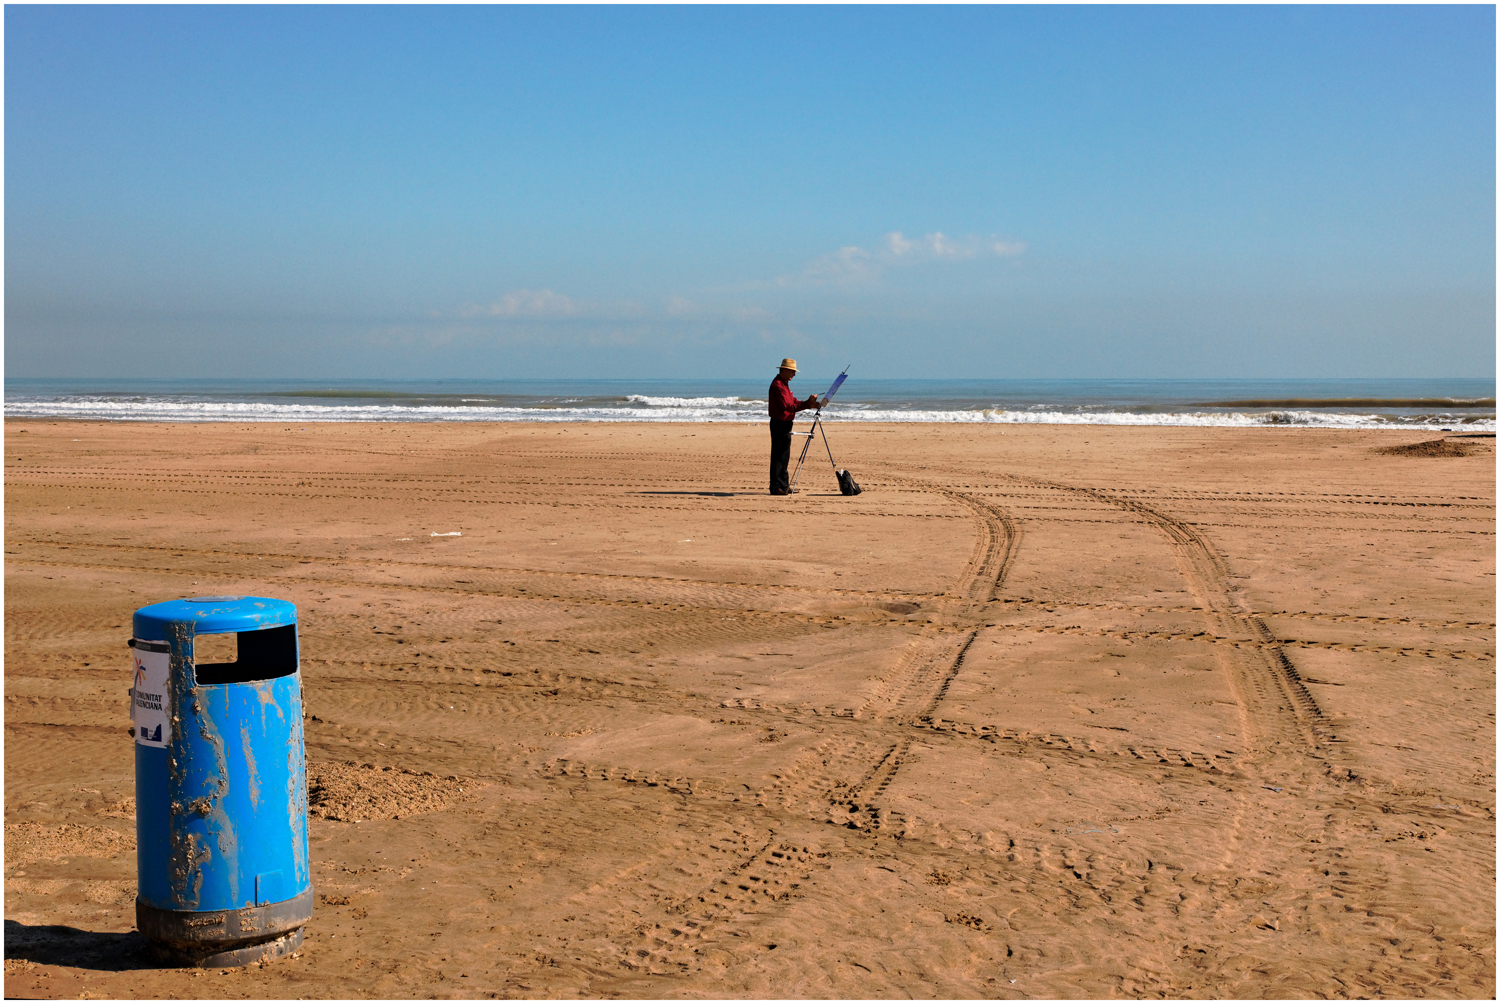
(782, 405)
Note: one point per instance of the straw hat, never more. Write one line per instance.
(789, 364)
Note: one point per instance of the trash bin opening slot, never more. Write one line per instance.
(260, 655)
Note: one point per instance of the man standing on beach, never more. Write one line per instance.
(784, 408)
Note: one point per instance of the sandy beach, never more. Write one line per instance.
(1046, 712)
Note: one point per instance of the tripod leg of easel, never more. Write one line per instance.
(830, 450)
(803, 458)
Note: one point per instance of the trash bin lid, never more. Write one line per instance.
(214, 615)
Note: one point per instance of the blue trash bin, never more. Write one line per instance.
(220, 782)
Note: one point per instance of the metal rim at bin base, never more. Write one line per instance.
(227, 937)
(210, 956)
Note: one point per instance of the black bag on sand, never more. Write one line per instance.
(847, 484)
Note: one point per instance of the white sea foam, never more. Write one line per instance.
(693, 402)
(1205, 419)
(641, 408)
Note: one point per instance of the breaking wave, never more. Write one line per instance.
(692, 402)
(646, 408)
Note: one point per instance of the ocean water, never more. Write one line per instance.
(1344, 404)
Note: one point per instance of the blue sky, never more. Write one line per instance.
(696, 192)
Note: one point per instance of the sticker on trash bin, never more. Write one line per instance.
(148, 695)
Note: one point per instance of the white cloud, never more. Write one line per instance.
(751, 314)
(898, 244)
(940, 245)
(853, 263)
(538, 303)
(846, 263)
(679, 308)
(850, 265)
(943, 247)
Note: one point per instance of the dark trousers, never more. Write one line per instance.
(781, 453)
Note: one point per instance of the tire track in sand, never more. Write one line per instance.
(909, 694)
(1278, 713)
(1285, 732)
